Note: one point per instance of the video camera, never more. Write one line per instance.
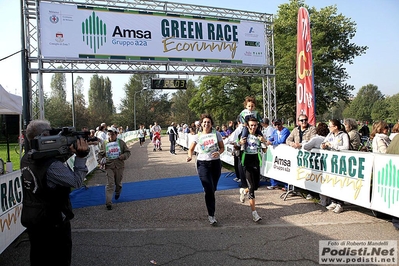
(56, 144)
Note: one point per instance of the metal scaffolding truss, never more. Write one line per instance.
(36, 65)
(176, 8)
(150, 67)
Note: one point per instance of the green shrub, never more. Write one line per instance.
(14, 156)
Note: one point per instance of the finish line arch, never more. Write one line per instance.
(168, 39)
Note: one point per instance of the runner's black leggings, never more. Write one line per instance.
(209, 173)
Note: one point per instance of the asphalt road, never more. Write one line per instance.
(175, 230)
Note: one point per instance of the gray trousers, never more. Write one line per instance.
(114, 183)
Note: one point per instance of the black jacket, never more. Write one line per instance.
(42, 205)
(172, 131)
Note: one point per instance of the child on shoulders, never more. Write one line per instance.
(248, 112)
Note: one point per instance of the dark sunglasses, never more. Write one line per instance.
(303, 120)
(277, 125)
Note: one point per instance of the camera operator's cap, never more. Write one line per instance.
(112, 129)
(277, 121)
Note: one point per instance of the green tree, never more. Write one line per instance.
(58, 85)
(134, 89)
(56, 108)
(160, 109)
(380, 110)
(337, 111)
(347, 112)
(361, 106)
(393, 108)
(331, 47)
(151, 105)
(223, 96)
(180, 109)
(210, 96)
(81, 114)
(101, 106)
(237, 88)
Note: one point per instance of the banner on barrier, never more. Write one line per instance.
(342, 175)
(385, 196)
(369, 180)
(11, 207)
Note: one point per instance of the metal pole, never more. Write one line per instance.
(24, 67)
(134, 106)
(7, 137)
(134, 109)
(265, 114)
(73, 103)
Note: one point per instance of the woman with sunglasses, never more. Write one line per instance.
(209, 165)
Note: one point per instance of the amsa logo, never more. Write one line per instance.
(131, 37)
(282, 164)
(131, 33)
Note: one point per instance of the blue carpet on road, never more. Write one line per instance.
(93, 196)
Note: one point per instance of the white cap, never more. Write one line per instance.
(197, 123)
(112, 129)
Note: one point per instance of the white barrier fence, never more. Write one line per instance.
(369, 180)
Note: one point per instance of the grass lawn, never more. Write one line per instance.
(14, 156)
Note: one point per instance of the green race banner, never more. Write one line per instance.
(72, 31)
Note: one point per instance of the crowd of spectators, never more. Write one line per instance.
(336, 135)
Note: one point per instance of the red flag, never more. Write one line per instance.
(305, 95)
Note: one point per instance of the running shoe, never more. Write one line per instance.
(256, 217)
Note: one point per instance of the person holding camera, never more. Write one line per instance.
(113, 153)
(47, 209)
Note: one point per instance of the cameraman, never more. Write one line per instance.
(47, 210)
